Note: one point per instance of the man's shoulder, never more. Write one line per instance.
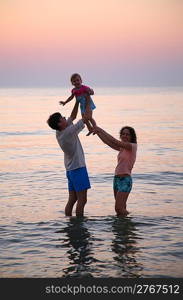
(69, 121)
(58, 133)
(61, 135)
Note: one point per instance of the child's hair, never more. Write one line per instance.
(73, 76)
(53, 120)
(132, 133)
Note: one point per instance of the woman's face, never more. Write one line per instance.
(125, 135)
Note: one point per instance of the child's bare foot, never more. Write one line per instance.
(90, 132)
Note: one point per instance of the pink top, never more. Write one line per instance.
(126, 159)
(79, 91)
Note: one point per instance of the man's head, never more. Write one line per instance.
(56, 121)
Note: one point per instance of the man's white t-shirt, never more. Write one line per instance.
(69, 142)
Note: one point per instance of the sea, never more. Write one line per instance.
(37, 240)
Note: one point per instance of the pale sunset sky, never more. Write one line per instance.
(109, 42)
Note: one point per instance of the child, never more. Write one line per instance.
(82, 94)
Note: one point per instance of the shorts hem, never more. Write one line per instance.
(79, 190)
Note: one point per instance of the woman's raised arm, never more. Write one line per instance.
(106, 140)
(111, 141)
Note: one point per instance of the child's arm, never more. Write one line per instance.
(68, 100)
(90, 91)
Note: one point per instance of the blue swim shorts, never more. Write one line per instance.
(122, 184)
(78, 179)
(82, 101)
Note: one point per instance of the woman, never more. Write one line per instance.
(127, 147)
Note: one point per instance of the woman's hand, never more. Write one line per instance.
(96, 129)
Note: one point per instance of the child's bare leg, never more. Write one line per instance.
(90, 128)
(92, 121)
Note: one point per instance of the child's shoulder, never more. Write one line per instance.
(82, 88)
(85, 87)
(73, 90)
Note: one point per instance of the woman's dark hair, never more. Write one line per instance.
(53, 120)
(132, 133)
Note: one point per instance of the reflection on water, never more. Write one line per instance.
(124, 245)
(78, 242)
(81, 248)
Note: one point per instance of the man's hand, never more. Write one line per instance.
(74, 111)
(62, 102)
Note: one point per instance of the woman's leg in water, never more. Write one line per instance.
(120, 203)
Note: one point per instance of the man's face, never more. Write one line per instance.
(62, 123)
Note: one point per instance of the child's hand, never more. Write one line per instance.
(62, 102)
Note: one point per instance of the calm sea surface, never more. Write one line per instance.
(37, 240)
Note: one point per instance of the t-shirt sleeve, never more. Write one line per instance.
(76, 128)
(73, 91)
(86, 88)
(69, 121)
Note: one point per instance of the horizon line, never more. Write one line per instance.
(97, 86)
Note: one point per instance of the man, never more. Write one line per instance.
(74, 160)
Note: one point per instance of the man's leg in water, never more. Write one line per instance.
(81, 201)
(71, 201)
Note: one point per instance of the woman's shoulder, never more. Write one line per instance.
(134, 146)
(129, 147)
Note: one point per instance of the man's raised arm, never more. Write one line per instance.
(74, 111)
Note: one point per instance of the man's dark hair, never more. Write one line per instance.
(132, 133)
(53, 120)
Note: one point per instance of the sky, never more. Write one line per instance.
(109, 42)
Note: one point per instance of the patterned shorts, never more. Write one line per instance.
(122, 184)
